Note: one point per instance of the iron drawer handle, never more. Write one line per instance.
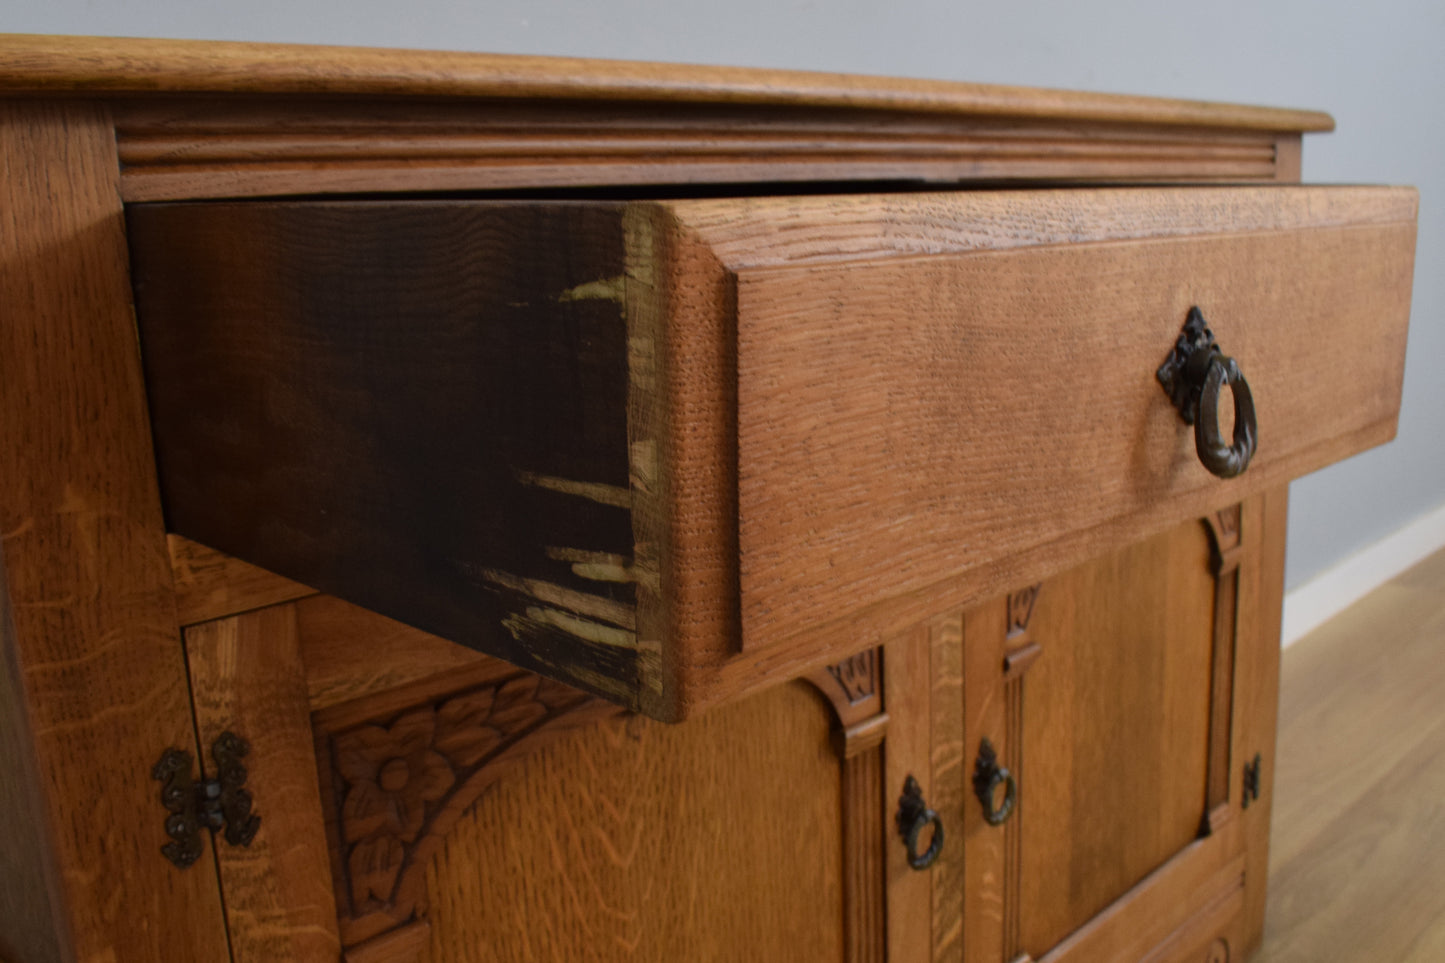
(1194, 375)
(913, 818)
(988, 775)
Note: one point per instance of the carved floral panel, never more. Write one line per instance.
(400, 782)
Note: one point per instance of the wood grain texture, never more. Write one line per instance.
(716, 839)
(911, 896)
(681, 303)
(212, 585)
(1359, 774)
(705, 249)
(1208, 933)
(864, 837)
(405, 945)
(32, 925)
(1256, 693)
(247, 678)
(100, 64)
(981, 633)
(1225, 551)
(1115, 730)
(1174, 900)
(1021, 651)
(180, 148)
(399, 771)
(862, 410)
(88, 576)
(853, 688)
(418, 407)
(1095, 689)
(351, 653)
(748, 233)
(952, 767)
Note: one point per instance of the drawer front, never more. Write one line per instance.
(671, 452)
(984, 390)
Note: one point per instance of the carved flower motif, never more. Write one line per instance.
(392, 773)
(471, 726)
(374, 865)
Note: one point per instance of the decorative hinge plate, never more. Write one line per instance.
(1251, 781)
(215, 804)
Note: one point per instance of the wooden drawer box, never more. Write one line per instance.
(668, 451)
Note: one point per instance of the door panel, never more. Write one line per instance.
(1115, 729)
(461, 809)
(1106, 692)
(634, 840)
(247, 678)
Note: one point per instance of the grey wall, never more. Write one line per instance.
(1378, 67)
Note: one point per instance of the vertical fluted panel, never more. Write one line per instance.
(864, 905)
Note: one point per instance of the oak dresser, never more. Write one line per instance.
(464, 508)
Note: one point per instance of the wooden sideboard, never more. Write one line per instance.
(552, 510)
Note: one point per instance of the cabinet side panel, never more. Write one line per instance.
(87, 571)
(419, 407)
(29, 888)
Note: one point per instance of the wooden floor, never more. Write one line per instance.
(1357, 861)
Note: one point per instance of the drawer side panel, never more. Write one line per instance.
(420, 407)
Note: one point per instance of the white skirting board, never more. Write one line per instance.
(1340, 586)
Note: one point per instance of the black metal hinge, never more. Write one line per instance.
(215, 804)
(1251, 781)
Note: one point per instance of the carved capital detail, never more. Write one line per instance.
(1021, 609)
(853, 686)
(857, 676)
(1224, 538)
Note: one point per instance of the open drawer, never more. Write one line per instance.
(672, 451)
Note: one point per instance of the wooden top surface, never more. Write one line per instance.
(51, 63)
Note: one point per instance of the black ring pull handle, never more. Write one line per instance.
(1224, 460)
(1194, 376)
(913, 818)
(988, 776)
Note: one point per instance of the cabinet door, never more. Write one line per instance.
(422, 802)
(1114, 824)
